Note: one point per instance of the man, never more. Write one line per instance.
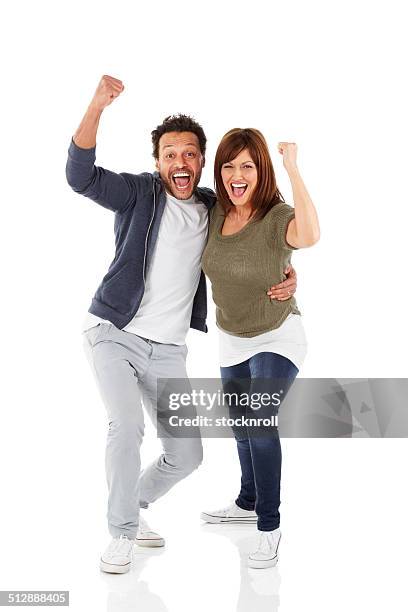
(153, 292)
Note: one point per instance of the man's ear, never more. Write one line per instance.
(203, 162)
(156, 164)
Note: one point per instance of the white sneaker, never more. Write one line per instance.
(230, 514)
(266, 555)
(146, 537)
(118, 556)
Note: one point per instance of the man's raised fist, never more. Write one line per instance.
(108, 89)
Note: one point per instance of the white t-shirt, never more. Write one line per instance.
(288, 340)
(172, 278)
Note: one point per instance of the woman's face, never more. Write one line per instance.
(240, 177)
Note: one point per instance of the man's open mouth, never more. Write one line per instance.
(181, 179)
(238, 189)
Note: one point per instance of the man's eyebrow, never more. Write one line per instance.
(188, 144)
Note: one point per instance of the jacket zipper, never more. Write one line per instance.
(147, 233)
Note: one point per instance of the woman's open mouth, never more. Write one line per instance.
(238, 189)
(181, 180)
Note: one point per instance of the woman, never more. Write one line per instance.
(262, 341)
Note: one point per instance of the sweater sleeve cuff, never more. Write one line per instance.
(79, 154)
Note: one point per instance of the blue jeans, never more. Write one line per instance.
(260, 455)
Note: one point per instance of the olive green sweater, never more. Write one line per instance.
(243, 266)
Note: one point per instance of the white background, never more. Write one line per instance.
(329, 76)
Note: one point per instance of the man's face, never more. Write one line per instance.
(180, 163)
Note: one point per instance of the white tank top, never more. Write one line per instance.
(288, 340)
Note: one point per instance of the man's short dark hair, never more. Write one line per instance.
(178, 123)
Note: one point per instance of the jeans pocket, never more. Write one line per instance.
(95, 333)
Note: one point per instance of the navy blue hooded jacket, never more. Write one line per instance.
(138, 201)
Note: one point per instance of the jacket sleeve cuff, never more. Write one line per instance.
(81, 155)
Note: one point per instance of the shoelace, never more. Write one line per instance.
(266, 542)
(144, 527)
(228, 508)
(118, 546)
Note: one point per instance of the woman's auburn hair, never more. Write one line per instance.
(266, 193)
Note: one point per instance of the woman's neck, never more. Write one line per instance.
(241, 213)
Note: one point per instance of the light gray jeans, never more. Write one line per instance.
(126, 368)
